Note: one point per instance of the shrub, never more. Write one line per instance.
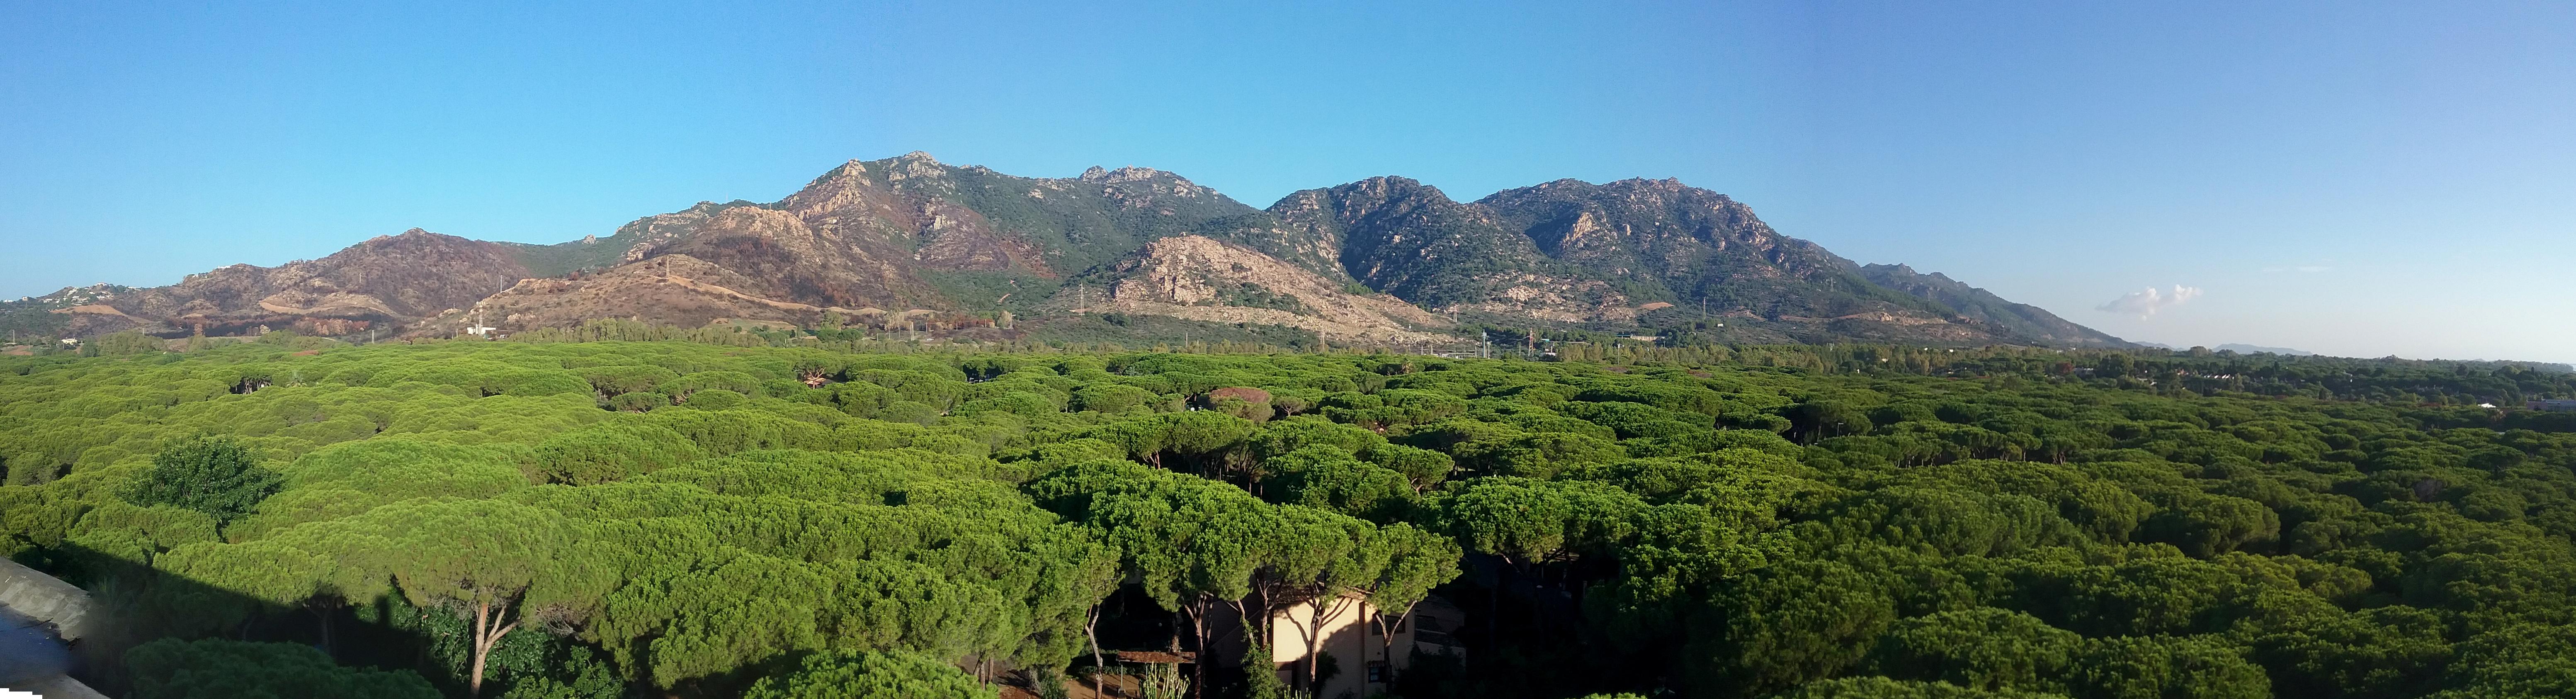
(213, 475)
(870, 675)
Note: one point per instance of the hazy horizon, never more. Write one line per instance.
(2348, 179)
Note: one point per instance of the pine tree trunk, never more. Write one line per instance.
(1091, 631)
(487, 632)
(474, 682)
(1314, 637)
(1197, 610)
(325, 614)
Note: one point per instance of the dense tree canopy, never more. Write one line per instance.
(216, 668)
(587, 520)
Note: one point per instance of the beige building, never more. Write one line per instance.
(1364, 654)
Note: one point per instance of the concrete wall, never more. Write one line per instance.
(46, 599)
(60, 687)
(51, 604)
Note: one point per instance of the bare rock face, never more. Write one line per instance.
(1198, 278)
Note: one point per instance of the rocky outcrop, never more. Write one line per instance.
(1198, 278)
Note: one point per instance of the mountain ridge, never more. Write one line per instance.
(1984, 306)
(909, 233)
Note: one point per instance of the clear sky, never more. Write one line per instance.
(2344, 177)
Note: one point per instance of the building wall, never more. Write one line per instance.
(1346, 632)
(1350, 634)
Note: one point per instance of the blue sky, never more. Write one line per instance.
(2347, 177)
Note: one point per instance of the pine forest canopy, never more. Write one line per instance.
(620, 510)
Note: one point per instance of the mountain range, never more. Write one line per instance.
(909, 242)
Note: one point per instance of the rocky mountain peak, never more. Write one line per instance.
(78, 295)
(843, 187)
(1667, 184)
(1392, 187)
(413, 232)
(1129, 173)
(1388, 195)
(914, 165)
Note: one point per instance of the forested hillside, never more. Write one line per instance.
(796, 516)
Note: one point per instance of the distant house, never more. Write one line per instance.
(2553, 404)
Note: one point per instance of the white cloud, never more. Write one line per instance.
(2146, 303)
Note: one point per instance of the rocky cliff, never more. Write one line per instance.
(1199, 278)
